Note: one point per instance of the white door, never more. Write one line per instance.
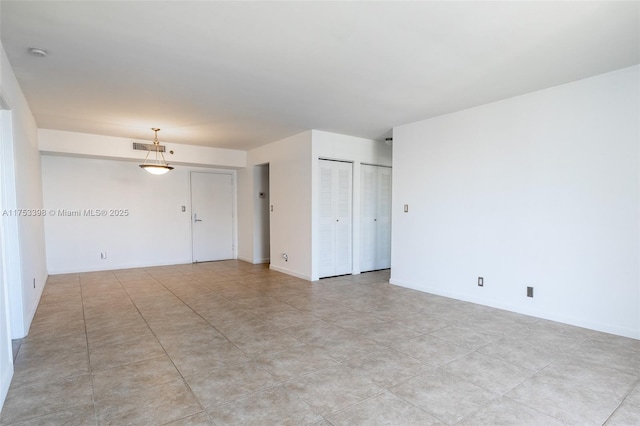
(212, 216)
(335, 204)
(375, 218)
(383, 219)
(368, 217)
(326, 246)
(6, 352)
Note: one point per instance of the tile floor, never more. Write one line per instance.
(230, 343)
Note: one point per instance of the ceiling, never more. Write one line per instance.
(243, 74)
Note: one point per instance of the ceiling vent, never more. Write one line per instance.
(148, 147)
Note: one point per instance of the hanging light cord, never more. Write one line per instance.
(156, 145)
(158, 167)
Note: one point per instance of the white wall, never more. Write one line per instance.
(22, 238)
(539, 190)
(293, 192)
(155, 232)
(22, 189)
(290, 194)
(346, 148)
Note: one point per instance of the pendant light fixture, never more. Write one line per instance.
(158, 166)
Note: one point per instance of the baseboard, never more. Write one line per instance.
(289, 272)
(551, 316)
(118, 267)
(32, 310)
(254, 261)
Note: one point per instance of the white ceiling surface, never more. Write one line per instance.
(243, 74)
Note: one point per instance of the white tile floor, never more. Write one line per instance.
(232, 343)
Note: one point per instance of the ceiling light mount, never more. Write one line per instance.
(38, 52)
(159, 166)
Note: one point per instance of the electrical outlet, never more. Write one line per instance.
(529, 291)
(480, 282)
(103, 255)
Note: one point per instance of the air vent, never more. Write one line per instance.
(147, 147)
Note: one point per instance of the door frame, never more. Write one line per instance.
(10, 266)
(234, 207)
(11, 256)
(262, 214)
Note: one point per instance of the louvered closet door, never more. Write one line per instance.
(383, 233)
(375, 218)
(343, 258)
(326, 232)
(335, 233)
(368, 215)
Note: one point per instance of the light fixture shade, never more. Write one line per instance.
(160, 165)
(156, 169)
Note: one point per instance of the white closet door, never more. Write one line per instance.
(368, 184)
(383, 233)
(344, 235)
(375, 218)
(335, 233)
(326, 232)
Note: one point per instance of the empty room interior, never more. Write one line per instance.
(319, 213)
